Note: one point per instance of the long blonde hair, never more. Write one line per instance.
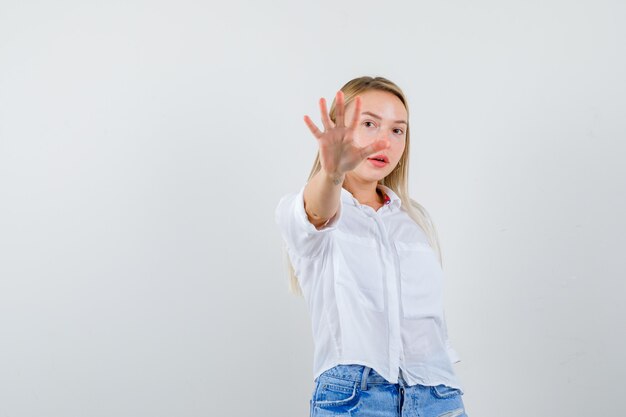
(397, 179)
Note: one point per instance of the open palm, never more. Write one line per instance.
(338, 151)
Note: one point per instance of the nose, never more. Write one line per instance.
(385, 135)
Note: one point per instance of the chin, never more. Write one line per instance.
(371, 178)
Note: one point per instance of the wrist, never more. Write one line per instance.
(335, 178)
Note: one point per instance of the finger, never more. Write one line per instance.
(316, 132)
(325, 118)
(339, 110)
(371, 149)
(357, 112)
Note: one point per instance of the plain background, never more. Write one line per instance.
(145, 145)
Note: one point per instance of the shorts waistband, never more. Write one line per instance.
(359, 373)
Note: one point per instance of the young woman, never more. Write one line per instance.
(365, 256)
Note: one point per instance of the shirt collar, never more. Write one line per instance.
(346, 196)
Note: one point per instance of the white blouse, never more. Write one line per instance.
(373, 287)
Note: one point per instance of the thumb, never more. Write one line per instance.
(371, 149)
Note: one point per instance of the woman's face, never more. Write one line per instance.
(383, 116)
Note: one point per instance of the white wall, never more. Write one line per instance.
(144, 146)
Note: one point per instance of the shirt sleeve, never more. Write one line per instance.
(300, 235)
(453, 354)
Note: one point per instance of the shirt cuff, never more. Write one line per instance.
(331, 224)
(452, 354)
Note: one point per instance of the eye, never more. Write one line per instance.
(368, 123)
(398, 131)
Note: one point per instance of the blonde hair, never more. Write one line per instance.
(397, 179)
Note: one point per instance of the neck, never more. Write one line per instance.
(364, 191)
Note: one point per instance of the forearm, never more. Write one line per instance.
(321, 196)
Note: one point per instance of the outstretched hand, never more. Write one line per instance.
(338, 151)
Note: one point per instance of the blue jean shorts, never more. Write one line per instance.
(358, 390)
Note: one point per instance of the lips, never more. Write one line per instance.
(380, 157)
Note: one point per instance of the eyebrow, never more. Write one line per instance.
(369, 113)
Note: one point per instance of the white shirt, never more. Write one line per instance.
(373, 287)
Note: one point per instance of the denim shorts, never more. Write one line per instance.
(358, 390)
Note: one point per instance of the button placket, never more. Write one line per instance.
(393, 302)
